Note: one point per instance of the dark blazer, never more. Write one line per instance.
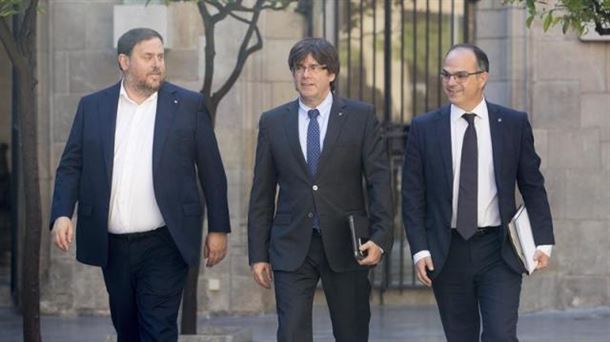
(184, 152)
(427, 188)
(279, 231)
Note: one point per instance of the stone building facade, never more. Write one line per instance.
(561, 81)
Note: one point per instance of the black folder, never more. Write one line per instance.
(359, 227)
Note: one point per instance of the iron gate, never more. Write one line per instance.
(391, 53)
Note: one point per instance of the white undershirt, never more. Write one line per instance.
(133, 206)
(487, 193)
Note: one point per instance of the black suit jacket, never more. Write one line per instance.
(427, 187)
(279, 230)
(184, 152)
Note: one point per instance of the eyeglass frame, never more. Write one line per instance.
(314, 68)
(460, 76)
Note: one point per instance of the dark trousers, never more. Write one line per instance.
(347, 295)
(144, 277)
(476, 280)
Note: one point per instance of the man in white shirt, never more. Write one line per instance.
(461, 166)
(132, 162)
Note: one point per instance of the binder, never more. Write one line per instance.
(522, 239)
(359, 232)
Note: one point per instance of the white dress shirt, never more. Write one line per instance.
(324, 109)
(487, 195)
(133, 206)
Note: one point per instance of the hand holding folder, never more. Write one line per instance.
(359, 232)
(522, 239)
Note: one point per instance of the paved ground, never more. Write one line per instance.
(388, 324)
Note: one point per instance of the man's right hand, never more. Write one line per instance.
(421, 267)
(63, 233)
(262, 274)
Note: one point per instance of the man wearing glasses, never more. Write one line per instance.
(461, 166)
(316, 151)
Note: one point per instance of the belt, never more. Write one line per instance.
(139, 235)
(485, 230)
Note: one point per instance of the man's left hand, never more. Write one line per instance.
(215, 248)
(542, 259)
(373, 254)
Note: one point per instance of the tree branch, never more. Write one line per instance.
(214, 18)
(235, 16)
(244, 53)
(27, 32)
(10, 46)
(210, 53)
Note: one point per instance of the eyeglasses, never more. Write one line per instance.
(313, 68)
(460, 76)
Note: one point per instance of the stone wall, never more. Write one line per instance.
(564, 85)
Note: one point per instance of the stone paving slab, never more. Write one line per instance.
(388, 324)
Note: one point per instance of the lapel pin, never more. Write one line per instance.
(340, 113)
(499, 119)
(176, 101)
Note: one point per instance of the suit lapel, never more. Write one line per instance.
(495, 129)
(444, 131)
(108, 107)
(291, 125)
(167, 104)
(335, 124)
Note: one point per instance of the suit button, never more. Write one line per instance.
(315, 188)
(310, 215)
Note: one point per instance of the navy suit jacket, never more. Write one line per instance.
(185, 152)
(280, 228)
(427, 187)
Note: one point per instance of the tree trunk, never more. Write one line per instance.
(20, 45)
(30, 292)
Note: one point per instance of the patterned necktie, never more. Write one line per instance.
(313, 154)
(313, 142)
(468, 188)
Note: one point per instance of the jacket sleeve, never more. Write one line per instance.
(262, 198)
(211, 173)
(67, 176)
(413, 191)
(531, 186)
(377, 176)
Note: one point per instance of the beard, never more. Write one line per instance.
(147, 85)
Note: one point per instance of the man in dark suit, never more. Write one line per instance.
(132, 161)
(316, 151)
(462, 163)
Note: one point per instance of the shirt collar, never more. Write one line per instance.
(124, 95)
(323, 107)
(480, 110)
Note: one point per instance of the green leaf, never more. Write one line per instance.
(529, 21)
(547, 22)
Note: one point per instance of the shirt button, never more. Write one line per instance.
(310, 215)
(315, 188)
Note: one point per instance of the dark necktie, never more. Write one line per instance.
(313, 154)
(313, 142)
(468, 188)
